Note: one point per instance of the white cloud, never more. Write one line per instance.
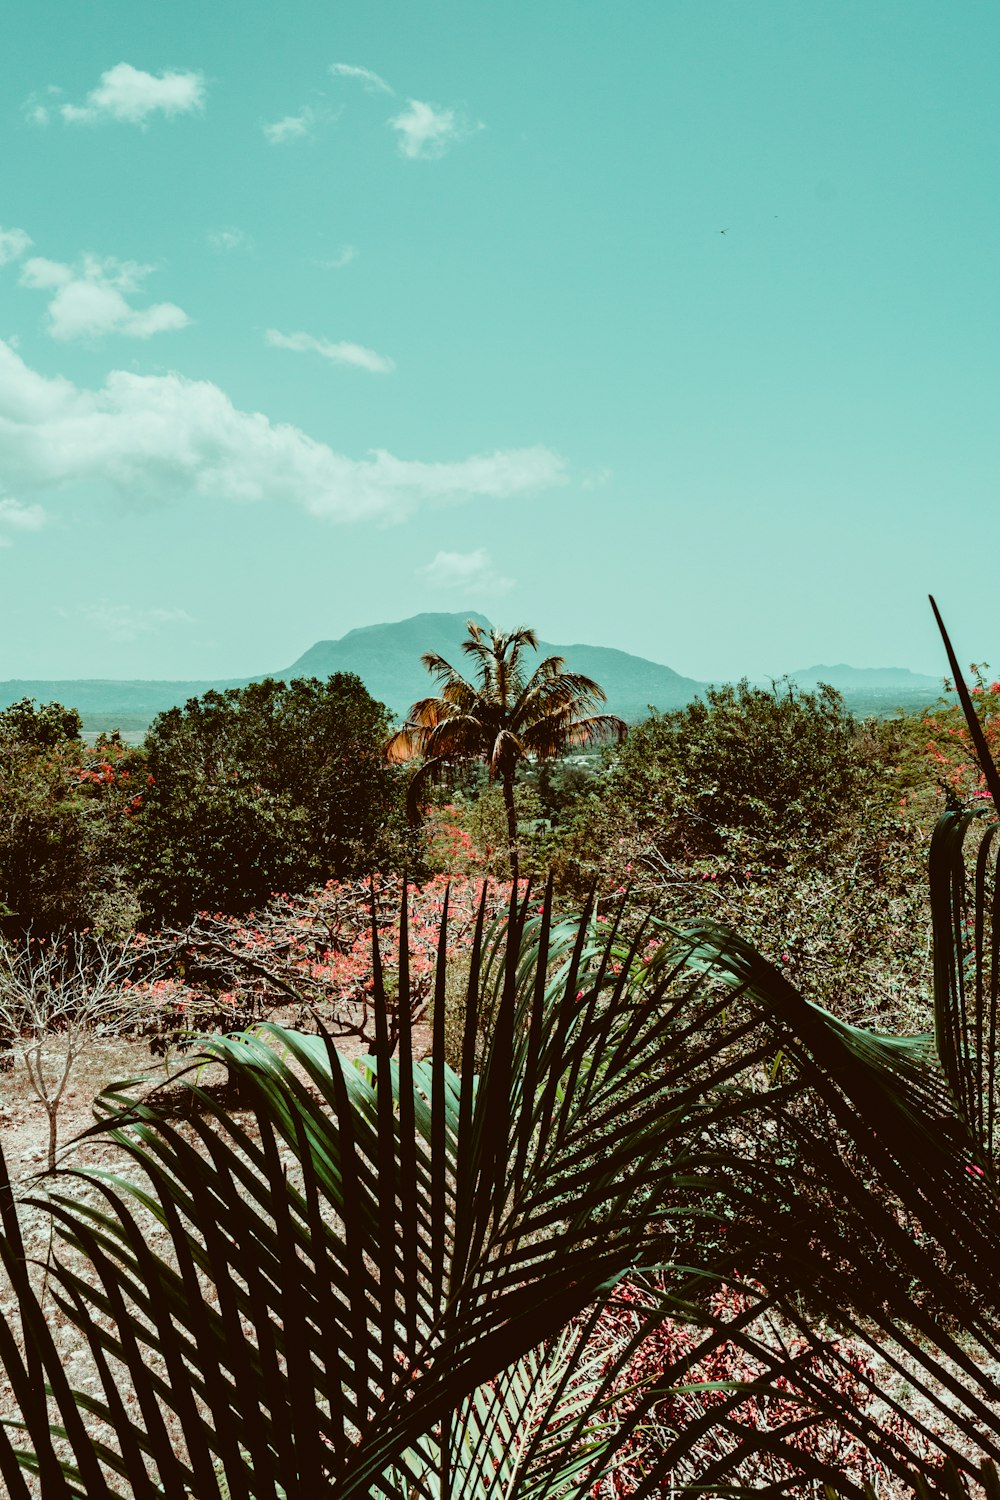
(128, 94)
(13, 243)
(425, 131)
(91, 298)
(343, 258)
(291, 128)
(123, 622)
(468, 573)
(372, 82)
(339, 353)
(225, 240)
(35, 111)
(17, 517)
(156, 438)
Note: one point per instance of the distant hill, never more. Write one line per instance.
(387, 659)
(882, 679)
(876, 691)
(110, 703)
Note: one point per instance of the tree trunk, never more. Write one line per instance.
(508, 802)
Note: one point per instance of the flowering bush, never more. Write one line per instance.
(314, 954)
(949, 747)
(451, 849)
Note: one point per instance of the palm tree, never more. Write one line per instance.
(506, 718)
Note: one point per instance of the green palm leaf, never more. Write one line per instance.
(352, 1261)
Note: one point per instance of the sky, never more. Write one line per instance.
(666, 326)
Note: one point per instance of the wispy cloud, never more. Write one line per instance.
(597, 479)
(469, 573)
(17, 517)
(224, 241)
(90, 299)
(125, 622)
(13, 244)
(158, 438)
(337, 262)
(128, 94)
(340, 353)
(426, 131)
(291, 127)
(372, 82)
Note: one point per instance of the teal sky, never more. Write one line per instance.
(668, 326)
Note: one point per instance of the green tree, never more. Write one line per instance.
(274, 786)
(44, 857)
(504, 719)
(764, 762)
(777, 813)
(44, 726)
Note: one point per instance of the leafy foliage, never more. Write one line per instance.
(382, 1278)
(62, 809)
(272, 787)
(775, 813)
(311, 955)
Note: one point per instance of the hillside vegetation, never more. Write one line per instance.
(704, 1130)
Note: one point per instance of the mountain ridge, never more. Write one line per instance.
(386, 656)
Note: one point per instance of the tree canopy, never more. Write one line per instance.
(268, 787)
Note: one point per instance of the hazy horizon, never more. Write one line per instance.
(668, 328)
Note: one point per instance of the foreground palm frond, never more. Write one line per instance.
(349, 1263)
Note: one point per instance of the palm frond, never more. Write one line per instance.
(985, 759)
(561, 731)
(383, 1240)
(454, 688)
(406, 744)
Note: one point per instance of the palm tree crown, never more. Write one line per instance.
(507, 717)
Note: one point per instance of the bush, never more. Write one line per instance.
(774, 812)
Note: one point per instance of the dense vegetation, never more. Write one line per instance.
(603, 1152)
(276, 786)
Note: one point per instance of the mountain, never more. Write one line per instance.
(880, 691)
(387, 659)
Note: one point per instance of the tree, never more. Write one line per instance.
(775, 812)
(770, 764)
(505, 719)
(44, 858)
(56, 994)
(48, 725)
(270, 787)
